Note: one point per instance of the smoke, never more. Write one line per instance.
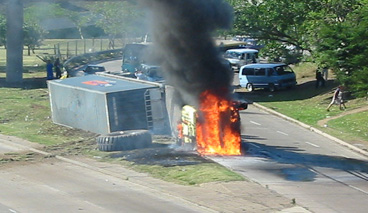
(182, 32)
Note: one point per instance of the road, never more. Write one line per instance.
(316, 172)
(58, 186)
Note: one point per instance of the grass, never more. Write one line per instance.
(190, 174)
(26, 113)
(354, 125)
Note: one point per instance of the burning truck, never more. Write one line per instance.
(182, 33)
(214, 128)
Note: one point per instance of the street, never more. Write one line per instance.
(316, 172)
(57, 186)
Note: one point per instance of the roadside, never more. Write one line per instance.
(234, 196)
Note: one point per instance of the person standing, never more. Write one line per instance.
(338, 99)
(50, 73)
(57, 68)
(325, 73)
(320, 81)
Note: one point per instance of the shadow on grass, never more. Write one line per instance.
(300, 92)
(298, 165)
(28, 83)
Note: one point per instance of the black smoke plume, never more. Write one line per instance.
(183, 34)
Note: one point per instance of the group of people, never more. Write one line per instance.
(50, 68)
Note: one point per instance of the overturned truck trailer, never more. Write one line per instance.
(102, 104)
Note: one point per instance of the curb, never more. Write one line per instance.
(313, 129)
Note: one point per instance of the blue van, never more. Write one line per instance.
(270, 76)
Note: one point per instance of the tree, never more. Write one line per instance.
(119, 19)
(33, 33)
(2, 30)
(341, 43)
(332, 31)
(279, 23)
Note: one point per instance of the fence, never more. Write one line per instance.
(69, 49)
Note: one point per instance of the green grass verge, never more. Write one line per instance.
(26, 113)
(355, 126)
(190, 175)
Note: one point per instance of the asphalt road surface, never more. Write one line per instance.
(316, 172)
(57, 186)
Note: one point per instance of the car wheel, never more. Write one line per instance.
(250, 87)
(124, 140)
(271, 87)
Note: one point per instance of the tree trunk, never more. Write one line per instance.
(14, 35)
(80, 33)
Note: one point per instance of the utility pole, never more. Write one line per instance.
(14, 41)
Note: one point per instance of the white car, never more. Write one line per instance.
(241, 57)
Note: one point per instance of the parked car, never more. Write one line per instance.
(270, 76)
(150, 73)
(92, 69)
(240, 57)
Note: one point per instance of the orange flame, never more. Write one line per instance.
(218, 126)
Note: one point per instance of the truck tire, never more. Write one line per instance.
(124, 140)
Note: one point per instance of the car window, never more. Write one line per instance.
(271, 71)
(283, 70)
(230, 54)
(93, 69)
(260, 71)
(248, 71)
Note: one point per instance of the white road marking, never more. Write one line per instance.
(258, 124)
(282, 133)
(312, 144)
(361, 190)
(11, 210)
(254, 145)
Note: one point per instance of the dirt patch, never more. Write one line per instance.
(21, 158)
(163, 156)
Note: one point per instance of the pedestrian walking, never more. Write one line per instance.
(338, 99)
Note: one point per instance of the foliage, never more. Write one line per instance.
(342, 45)
(33, 35)
(2, 30)
(330, 32)
(119, 19)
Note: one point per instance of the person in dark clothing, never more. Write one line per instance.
(319, 79)
(50, 73)
(57, 68)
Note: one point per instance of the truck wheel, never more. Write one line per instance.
(124, 140)
(250, 87)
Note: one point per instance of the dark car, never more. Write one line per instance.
(92, 69)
